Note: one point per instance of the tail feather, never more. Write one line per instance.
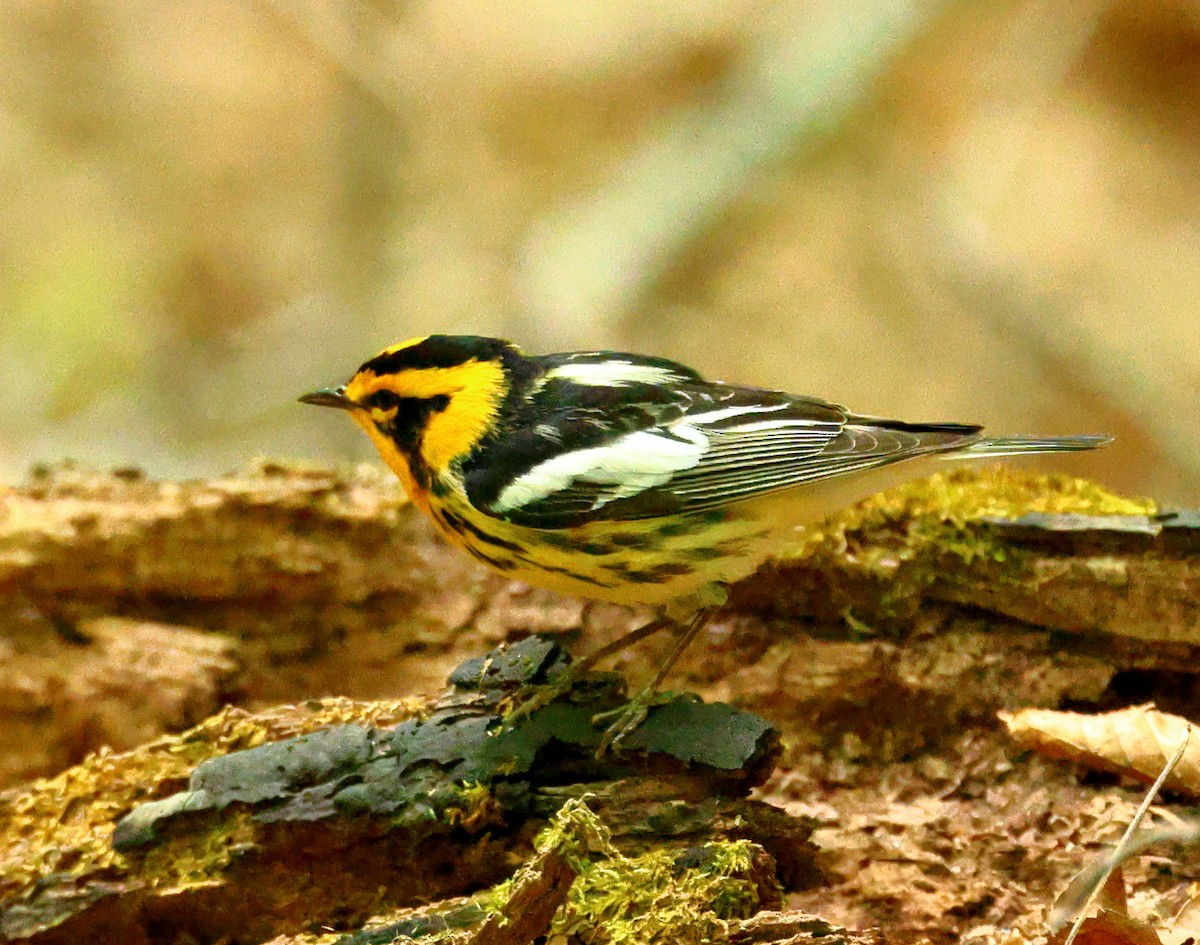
(1015, 445)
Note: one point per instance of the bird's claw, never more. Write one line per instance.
(624, 719)
(528, 700)
(627, 718)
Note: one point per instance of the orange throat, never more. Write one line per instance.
(396, 460)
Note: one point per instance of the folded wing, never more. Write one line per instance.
(703, 447)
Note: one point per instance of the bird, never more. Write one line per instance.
(629, 478)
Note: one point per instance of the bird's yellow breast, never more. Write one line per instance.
(671, 559)
(650, 561)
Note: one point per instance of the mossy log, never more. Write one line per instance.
(345, 821)
(134, 607)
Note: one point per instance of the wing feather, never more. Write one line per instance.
(637, 450)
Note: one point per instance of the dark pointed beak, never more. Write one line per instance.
(329, 397)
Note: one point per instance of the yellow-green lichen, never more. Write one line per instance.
(929, 510)
(64, 824)
(199, 857)
(651, 898)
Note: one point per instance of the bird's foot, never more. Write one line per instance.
(529, 699)
(628, 717)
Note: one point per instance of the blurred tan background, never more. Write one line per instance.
(934, 210)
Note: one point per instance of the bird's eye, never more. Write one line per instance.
(384, 400)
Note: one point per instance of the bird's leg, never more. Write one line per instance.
(633, 713)
(546, 693)
(635, 635)
(699, 619)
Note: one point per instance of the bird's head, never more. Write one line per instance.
(429, 401)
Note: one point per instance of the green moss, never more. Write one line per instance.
(576, 833)
(478, 807)
(939, 509)
(654, 898)
(64, 824)
(902, 537)
(660, 896)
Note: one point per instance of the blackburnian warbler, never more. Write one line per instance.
(627, 478)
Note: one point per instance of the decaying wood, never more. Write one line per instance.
(881, 649)
(339, 823)
(110, 681)
(1129, 575)
(797, 928)
(306, 583)
(310, 583)
(538, 891)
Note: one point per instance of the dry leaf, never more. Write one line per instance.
(1135, 742)
(1110, 928)
(1184, 926)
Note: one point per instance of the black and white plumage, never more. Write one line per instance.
(604, 436)
(622, 477)
(626, 478)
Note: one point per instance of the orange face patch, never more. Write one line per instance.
(391, 455)
(474, 390)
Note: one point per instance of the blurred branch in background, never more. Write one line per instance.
(982, 212)
(591, 262)
(1138, 366)
(345, 35)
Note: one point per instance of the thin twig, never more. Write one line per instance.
(1120, 851)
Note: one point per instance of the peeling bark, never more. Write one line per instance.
(332, 826)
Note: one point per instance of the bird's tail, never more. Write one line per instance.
(1016, 445)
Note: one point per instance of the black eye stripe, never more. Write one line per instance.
(387, 399)
(406, 426)
(383, 400)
